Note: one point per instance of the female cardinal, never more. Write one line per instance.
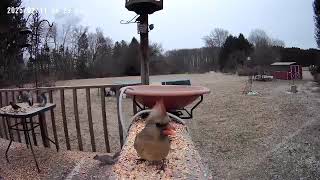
(152, 143)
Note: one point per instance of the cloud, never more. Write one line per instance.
(68, 17)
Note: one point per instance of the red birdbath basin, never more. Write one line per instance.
(174, 97)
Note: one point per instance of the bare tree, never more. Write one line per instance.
(66, 23)
(266, 51)
(53, 34)
(77, 31)
(92, 39)
(66, 28)
(100, 50)
(156, 49)
(277, 42)
(216, 38)
(259, 38)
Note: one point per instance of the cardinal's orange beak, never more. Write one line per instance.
(169, 130)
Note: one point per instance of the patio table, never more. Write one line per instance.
(23, 114)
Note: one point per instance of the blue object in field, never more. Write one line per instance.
(178, 82)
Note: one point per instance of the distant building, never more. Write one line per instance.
(286, 70)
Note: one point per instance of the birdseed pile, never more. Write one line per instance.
(9, 109)
(183, 161)
(25, 108)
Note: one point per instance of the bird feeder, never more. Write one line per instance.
(144, 6)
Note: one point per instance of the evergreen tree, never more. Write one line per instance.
(116, 50)
(234, 52)
(244, 45)
(104, 64)
(226, 50)
(11, 40)
(132, 58)
(82, 61)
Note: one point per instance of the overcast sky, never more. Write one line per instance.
(183, 23)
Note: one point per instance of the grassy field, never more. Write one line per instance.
(272, 135)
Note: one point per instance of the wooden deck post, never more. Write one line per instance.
(43, 129)
(7, 98)
(0, 99)
(34, 137)
(7, 121)
(104, 120)
(24, 124)
(5, 129)
(76, 117)
(64, 118)
(119, 122)
(15, 119)
(93, 142)
(53, 121)
(1, 119)
(1, 128)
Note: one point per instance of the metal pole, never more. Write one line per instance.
(37, 48)
(144, 47)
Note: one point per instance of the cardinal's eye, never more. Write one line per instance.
(158, 124)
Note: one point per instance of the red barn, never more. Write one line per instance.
(286, 70)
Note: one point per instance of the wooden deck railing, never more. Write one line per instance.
(7, 95)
